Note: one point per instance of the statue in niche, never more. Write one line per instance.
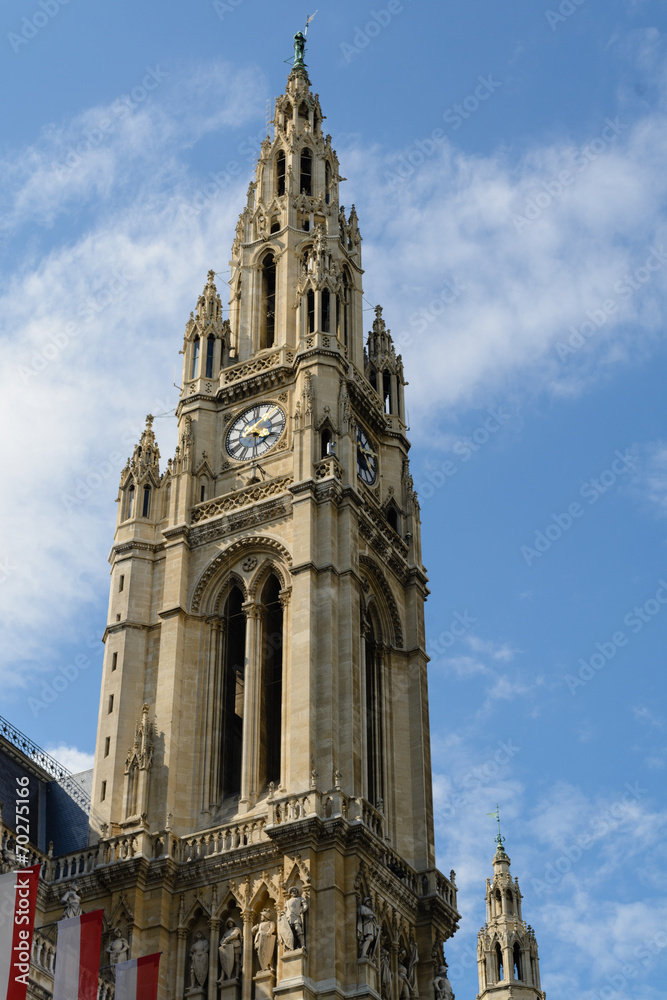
(265, 940)
(290, 922)
(386, 975)
(72, 902)
(442, 986)
(368, 928)
(230, 951)
(118, 949)
(198, 961)
(9, 859)
(407, 974)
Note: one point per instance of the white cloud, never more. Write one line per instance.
(70, 757)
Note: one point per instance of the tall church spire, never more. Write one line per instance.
(507, 959)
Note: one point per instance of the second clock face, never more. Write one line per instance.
(255, 431)
(366, 458)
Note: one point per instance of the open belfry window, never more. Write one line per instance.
(210, 348)
(374, 719)
(268, 307)
(195, 358)
(271, 682)
(306, 172)
(280, 173)
(233, 683)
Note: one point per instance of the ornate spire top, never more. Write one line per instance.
(500, 840)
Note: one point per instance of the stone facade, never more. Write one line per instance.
(261, 802)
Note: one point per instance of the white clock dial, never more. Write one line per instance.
(255, 431)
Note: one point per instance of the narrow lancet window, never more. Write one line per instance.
(326, 310)
(386, 391)
(280, 173)
(146, 508)
(327, 181)
(326, 443)
(499, 963)
(130, 502)
(310, 301)
(306, 183)
(195, 358)
(516, 955)
(268, 318)
(374, 722)
(233, 671)
(272, 682)
(210, 348)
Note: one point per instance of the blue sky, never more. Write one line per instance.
(507, 162)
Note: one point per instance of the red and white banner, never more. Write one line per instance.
(138, 978)
(78, 957)
(18, 895)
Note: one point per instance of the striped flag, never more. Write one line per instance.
(138, 978)
(78, 957)
(18, 895)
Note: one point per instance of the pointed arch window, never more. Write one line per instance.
(271, 682)
(326, 310)
(306, 172)
(516, 961)
(146, 505)
(509, 902)
(280, 173)
(130, 502)
(233, 681)
(310, 305)
(210, 348)
(374, 720)
(499, 962)
(268, 316)
(327, 182)
(195, 358)
(499, 903)
(326, 443)
(386, 390)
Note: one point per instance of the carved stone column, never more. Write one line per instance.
(214, 941)
(251, 708)
(180, 961)
(246, 992)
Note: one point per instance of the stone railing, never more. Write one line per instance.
(240, 498)
(46, 762)
(257, 366)
(43, 953)
(328, 466)
(219, 840)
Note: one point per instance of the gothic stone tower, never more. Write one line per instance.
(262, 773)
(507, 959)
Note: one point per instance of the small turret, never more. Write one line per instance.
(384, 368)
(507, 959)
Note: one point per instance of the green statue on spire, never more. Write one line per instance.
(299, 50)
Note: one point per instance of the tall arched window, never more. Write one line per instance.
(195, 358)
(516, 958)
(130, 503)
(233, 677)
(327, 181)
(210, 348)
(271, 682)
(310, 303)
(344, 310)
(326, 310)
(306, 172)
(146, 506)
(499, 903)
(268, 317)
(374, 721)
(509, 903)
(386, 391)
(499, 963)
(280, 173)
(325, 445)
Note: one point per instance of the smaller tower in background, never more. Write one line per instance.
(507, 959)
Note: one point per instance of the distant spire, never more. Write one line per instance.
(500, 840)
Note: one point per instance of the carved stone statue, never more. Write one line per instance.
(386, 975)
(230, 951)
(290, 922)
(198, 961)
(9, 859)
(442, 986)
(72, 902)
(407, 973)
(118, 949)
(265, 940)
(368, 928)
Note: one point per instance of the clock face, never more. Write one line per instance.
(366, 458)
(255, 431)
